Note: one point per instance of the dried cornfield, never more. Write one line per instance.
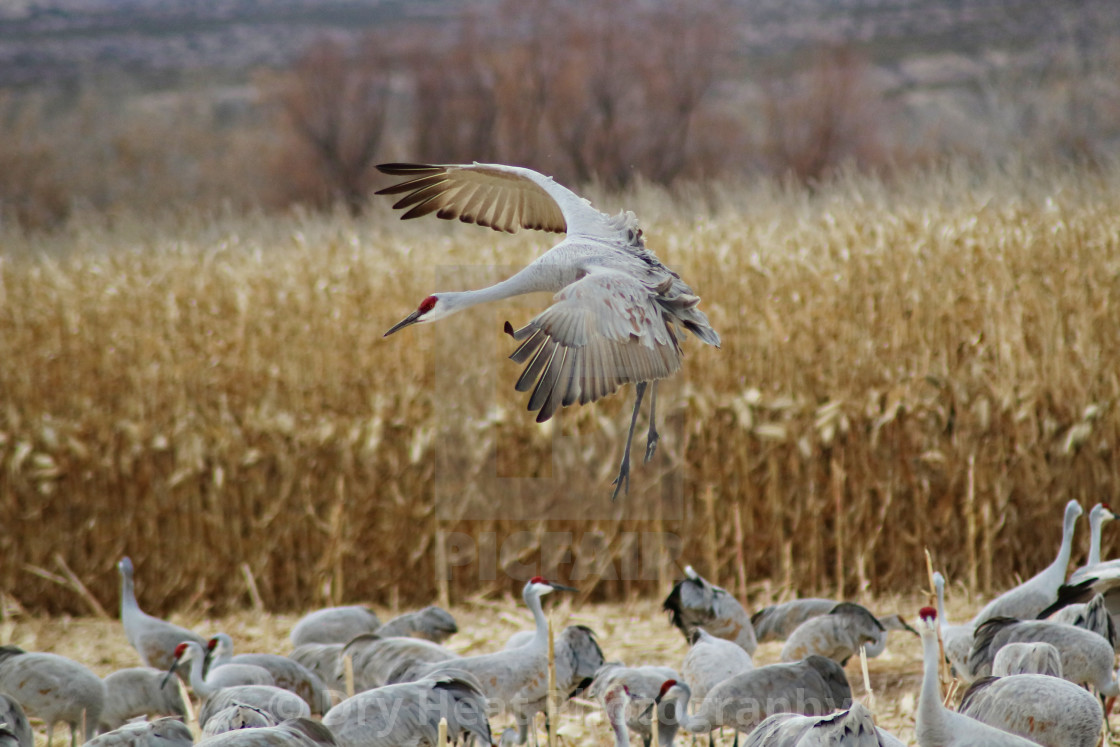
(929, 361)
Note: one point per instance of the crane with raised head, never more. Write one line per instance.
(956, 640)
(1099, 515)
(937, 726)
(694, 602)
(154, 639)
(618, 314)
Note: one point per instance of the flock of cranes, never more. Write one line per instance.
(352, 681)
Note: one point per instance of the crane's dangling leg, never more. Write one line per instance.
(624, 468)
(652, 438)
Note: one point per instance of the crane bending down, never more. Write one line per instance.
(618, 313)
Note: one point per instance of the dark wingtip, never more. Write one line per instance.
(508, 329)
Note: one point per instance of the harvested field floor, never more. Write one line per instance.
(636, 633)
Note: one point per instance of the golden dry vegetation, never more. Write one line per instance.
(909, 362)
(635, 632)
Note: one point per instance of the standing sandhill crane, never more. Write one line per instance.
(1029, 598)
(710, 661)
(432, 623)
(285, 672)
(53, 688)
(1027, 658)
(814, 686)
(837, 635)
(295, 732)
(139, 691)
(237, 716)
(936, 725)
(154, 639)
(642, 685)
(334, 625)
(696, 603)
(854, 727)
(514, 679)
(1099, 515)
(1087, 657)
(163, 732)
(323, 659)
(955, 639)
(381, 661)
(1046, 710)
(618, 313)
(578, 659)
(14, 721)
(408, 714)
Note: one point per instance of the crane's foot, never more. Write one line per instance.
(623, 477)
(652, 438)
(651, 442)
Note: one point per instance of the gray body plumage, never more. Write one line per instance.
(238, 716)
(334, 625)
(1087, 658)
(837, 635)
(854, 727)
(777, 621)
(696, 603)
(295, 732)
(14, 721)
(325, 660)
(284, 672)
(1099, 515)
(1047, 710)
(1027, 658)
(163, 732)
(408, 714)
(642, 683)
(139, 691)
(710, 661)
(431, 623)
(154, 639)
(381, 661)
(278, 703)
(53, 688)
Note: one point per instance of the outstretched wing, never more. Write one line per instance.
(603, 331)
(501, 197)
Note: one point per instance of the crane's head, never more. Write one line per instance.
(431, 308)
(928, 616)
(125, 566)
(541, 586)
(1103, 512)
(183, 652)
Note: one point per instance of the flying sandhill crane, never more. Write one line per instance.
(237, 716)
(1099, 515)
(618, 314)
(53, 688)
(285, 672)
(163, 732)
(381, 661)
(296, 732)
(1031, 597)
(814, 686)
(710, 661)
(432, 623)
(696, 603)
(14, 721)
(1046, 710)
(937, 726)
(642, 685)
(1027, 658)
(956, 639)
(409, 713)
(154, 639)
(837, 635)
(854, 727)
(139, 691)
(334, 625)
(515, 679)
(1086, 656)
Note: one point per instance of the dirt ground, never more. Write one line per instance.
(636, 633)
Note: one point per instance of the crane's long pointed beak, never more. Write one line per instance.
(410, 319)
(561, 587)
(170, 672)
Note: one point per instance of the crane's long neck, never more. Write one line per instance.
(534, 278)
(1096, 519)
(533, 602)
(201, 687)
(1061, 563)
(931, 712)
(941, 620)
(697, 724)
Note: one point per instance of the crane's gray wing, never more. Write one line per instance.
(501, 197)
(604, 330)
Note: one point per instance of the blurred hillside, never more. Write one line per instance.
(160, 104)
